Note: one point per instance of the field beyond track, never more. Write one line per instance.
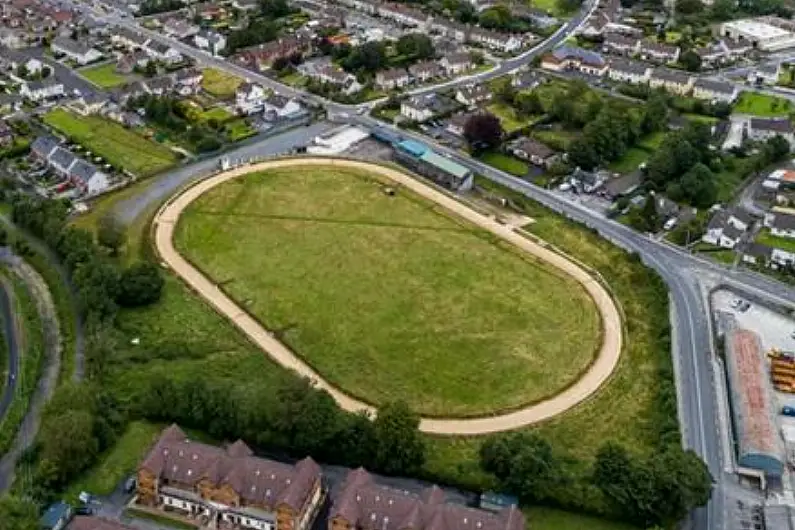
(391, 297)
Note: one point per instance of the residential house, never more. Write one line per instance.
(712, 55)
(456, 63)
(262, 56)
(10, 102)
(12, 38)
(588, 181)
(75, 50)
(761, 129)
(61, 160)
(13, 60)
(6, 134)
(43, 146)
(619, 44)
(573, 58)
(209, 40)
(453, 30)
(246, 5)
(726, 228)
(338, 77)
(56, 517)
(457, 122)
(425, 71)
(526, 80)
(41, 90)
(87, 178)
(128, 39)
(180, 28)
(362, 503)
(163, 52)
(446, 172)
(403, 15)
(503, 42)
(538, 17)
(783, 225)
(159, 86)
(188, 81)
(673, 81)
(758, 254)
(715, 90)
(736, 48)
(249, 98)
(765, 74)
(658, 52)
(472, 95)
(426, 106)
(624, 185)
(228, 487)
(90, 103)
(625, 71)
(279, 107)
(392, 78)
(533, 151)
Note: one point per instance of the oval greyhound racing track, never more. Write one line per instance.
(601, 368)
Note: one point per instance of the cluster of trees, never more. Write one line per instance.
(415, 47)
(175, 116)
(262, 29)
(368, 58)
(658, 490)
(153, 7)
(294, 418)
(499, 17)
(101, 284)
(483, 131)
(614, 128)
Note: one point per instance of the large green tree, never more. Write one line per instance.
(111, 233)
(140, 284)
(400, 449)
(17, 513)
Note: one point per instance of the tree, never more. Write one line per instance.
(723, 10)
(3, 237)
(655, 113)
(18, 513)
(698, 186)
(568, 6)
(776, 149)
(111, 233)
(646, 219)
(400, 449)
(524, 464)
(68, 443)
(309, 419)
(528, 103)
(101, 344)
(689, 7)
(610, 476)
(690, 59)
(22, 71)
(150, 70)
(483, 130)
(140, 284)
(582, 154)
(497, 17)
(46, 71)
(415, 45)
(274, 8)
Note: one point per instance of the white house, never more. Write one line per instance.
(249, 98)
(625, 71)
(87, 178)
(504, 42)
(761, 129)
(673, 81)
(75, 50)
(472, 95)
(392, 78)
(709, 90)
(426, 106)
(163, 52)
(40, 90)
(658, 52)
(783, 225)
(280, 107)
(456, 63)
(726, 228)
(212, 41)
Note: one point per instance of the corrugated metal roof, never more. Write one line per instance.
(413, 148)
(445, 164)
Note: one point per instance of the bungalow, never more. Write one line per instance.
(623, 186)
(758, 254)
(128, 39)
(619, 44)
(765, 74)
(425, 71)
(625, 71)
(533, 151)
(711, 55)
(504, 42)
(726, 228)
(673, 81)
(10, 102)
(456, 63)
(426, 106)
(31, 65)
(715, 90)
(40, 90)
(338, 77)
(163, 52)
(75, 50)
(526, 80)
(249, 98)
(280, 107)
(472, 95)
(783, 225)
(392, 78)
(179, 28)
(188, 80)
(159, 85)
(657, 52)
(572, 58)
(209, 40)
(761, 129)
(588, 181)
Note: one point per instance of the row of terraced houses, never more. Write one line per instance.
(230, 488)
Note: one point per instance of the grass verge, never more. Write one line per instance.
(159, 519)
(766, 237)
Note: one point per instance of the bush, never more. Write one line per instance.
(140, 285)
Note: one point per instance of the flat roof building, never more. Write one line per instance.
(759, 34)
(420, 158)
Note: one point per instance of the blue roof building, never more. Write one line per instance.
(56, 517)
(413, 148)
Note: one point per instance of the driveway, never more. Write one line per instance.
(600, 370)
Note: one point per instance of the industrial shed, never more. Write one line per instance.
(758, 443)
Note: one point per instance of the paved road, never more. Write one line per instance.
(606, 360)
(12, 347)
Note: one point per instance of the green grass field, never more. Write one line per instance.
(117, 463)
(239, 129)
(551, 519)
(220, 84)
(508, 118)
(630, 161)
(551, 6)
(507, 163)
(762, 105)
(104, 76)
(388, 297)
(218, 114)
(767, 238)
(119, 146)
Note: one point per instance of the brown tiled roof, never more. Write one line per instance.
(82, 522)
(370, 506)
(177, 459)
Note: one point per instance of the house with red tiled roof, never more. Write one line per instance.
(228, 487)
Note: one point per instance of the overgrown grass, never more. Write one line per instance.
(219, 83)
(117, 463)
(509, 118)
(762, 105)
(507, 163)
(31, 357)
(425, 306)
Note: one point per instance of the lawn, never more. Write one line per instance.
(627, 408)
(415, 293)
(117, 463)
(767, 238)
(220, 84)
(552, 519)
(557, 139)
(508, 118)
(121, 147)
(551, 6)
(160, 521)
(104, 76)
(507, 163)
(762, 105)
(218, 114)
(294, 79)
(630, 161)
(652, 141)
(238, 130)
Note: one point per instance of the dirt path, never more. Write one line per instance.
(600, 370)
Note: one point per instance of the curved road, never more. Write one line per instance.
(12, 347)
(600, 370)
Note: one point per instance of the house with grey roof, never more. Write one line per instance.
(574, 58)
(627, 71)
(61, 160)
(761, 129)
(710, 90)
(48, 88)
(673, 81)
(75, 50)
(43, 146)
(88, 178)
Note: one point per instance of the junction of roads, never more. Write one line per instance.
(690, 279)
